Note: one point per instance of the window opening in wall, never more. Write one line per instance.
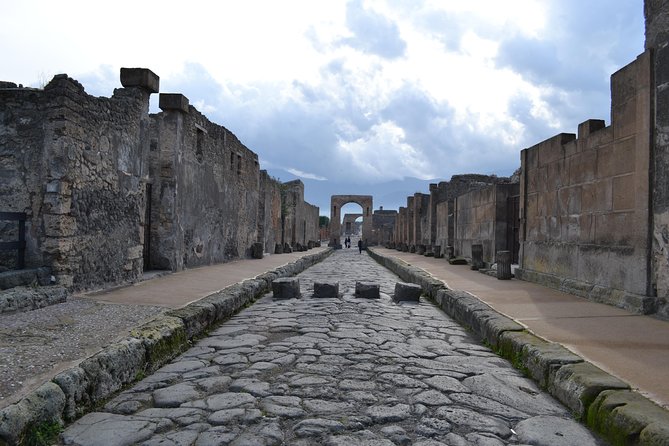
(239, 164)
(199, 144)
(232, 161)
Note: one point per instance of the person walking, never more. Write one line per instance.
(360, 246)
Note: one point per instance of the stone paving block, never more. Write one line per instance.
(625, 417)
(327, 290)
(407, 292)
(367, 290)
(286, 288)
(577, 386)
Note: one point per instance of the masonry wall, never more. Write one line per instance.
(77, 164)
(269, 212)
(481, 218)
(300, 218)
(657, 41)
(584, 201)
(383, 226)
(208, 191)
(110, 190)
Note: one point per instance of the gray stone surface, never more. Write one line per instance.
(326, 290)
(30, 298)
(367, 290)
(407, 292)
(286, 288)
(333, 372)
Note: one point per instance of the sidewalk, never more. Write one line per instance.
(634, 348)
(183, 287)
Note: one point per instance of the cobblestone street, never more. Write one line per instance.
(345, 371)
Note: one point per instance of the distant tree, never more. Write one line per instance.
(323, 221)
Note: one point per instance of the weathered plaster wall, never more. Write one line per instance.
(269, 212)
(433, 226)
(301, 218)
(208, 183)
(657, 40)
(584, 201)
(84, 194)
(110, 190)
(481, 218)
(383, 226)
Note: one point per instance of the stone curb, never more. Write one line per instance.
(603, 402)
(82, 388)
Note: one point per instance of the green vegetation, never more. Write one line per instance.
(43, 434)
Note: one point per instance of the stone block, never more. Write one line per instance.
(287, 249)
(577, 386)
(257, 250)
(367, 290)
(504, 265)
(326, 289)
(140, 77)
(286, 288)
(173, 101)
(623, 417)
(44, 405)
(278, 249)
(407, 292)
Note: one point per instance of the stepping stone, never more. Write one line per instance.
(286, 288)
(326, 289)
(407, 292)
(367, 290)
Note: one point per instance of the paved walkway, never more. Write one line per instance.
(337, 371)
(181, 288)
(632, 347)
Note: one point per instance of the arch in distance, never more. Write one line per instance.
(336, 203)
(349, 221)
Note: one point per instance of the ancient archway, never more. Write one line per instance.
(336, 203)
(348, 223)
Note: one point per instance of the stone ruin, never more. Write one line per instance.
(586, 213)
(109, 190)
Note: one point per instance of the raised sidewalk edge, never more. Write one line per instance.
(601, 401)
(78, 390)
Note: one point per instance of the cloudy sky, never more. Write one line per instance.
(376, 97)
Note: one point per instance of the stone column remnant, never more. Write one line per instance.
(477, 256)
(504, 265)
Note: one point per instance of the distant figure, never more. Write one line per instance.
(360, 246)
(348, 242)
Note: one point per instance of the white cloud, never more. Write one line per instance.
(310, 176)
(360, 91)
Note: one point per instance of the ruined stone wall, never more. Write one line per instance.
(23, 169)
(301, 218)
(383, 226)
(440, 229)
(77, 166)
(421, 221)
(584, 202)
(110, 190)
(444, 224)
(657, 40)
(269, 212)
(481, 218)
(208, 189)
